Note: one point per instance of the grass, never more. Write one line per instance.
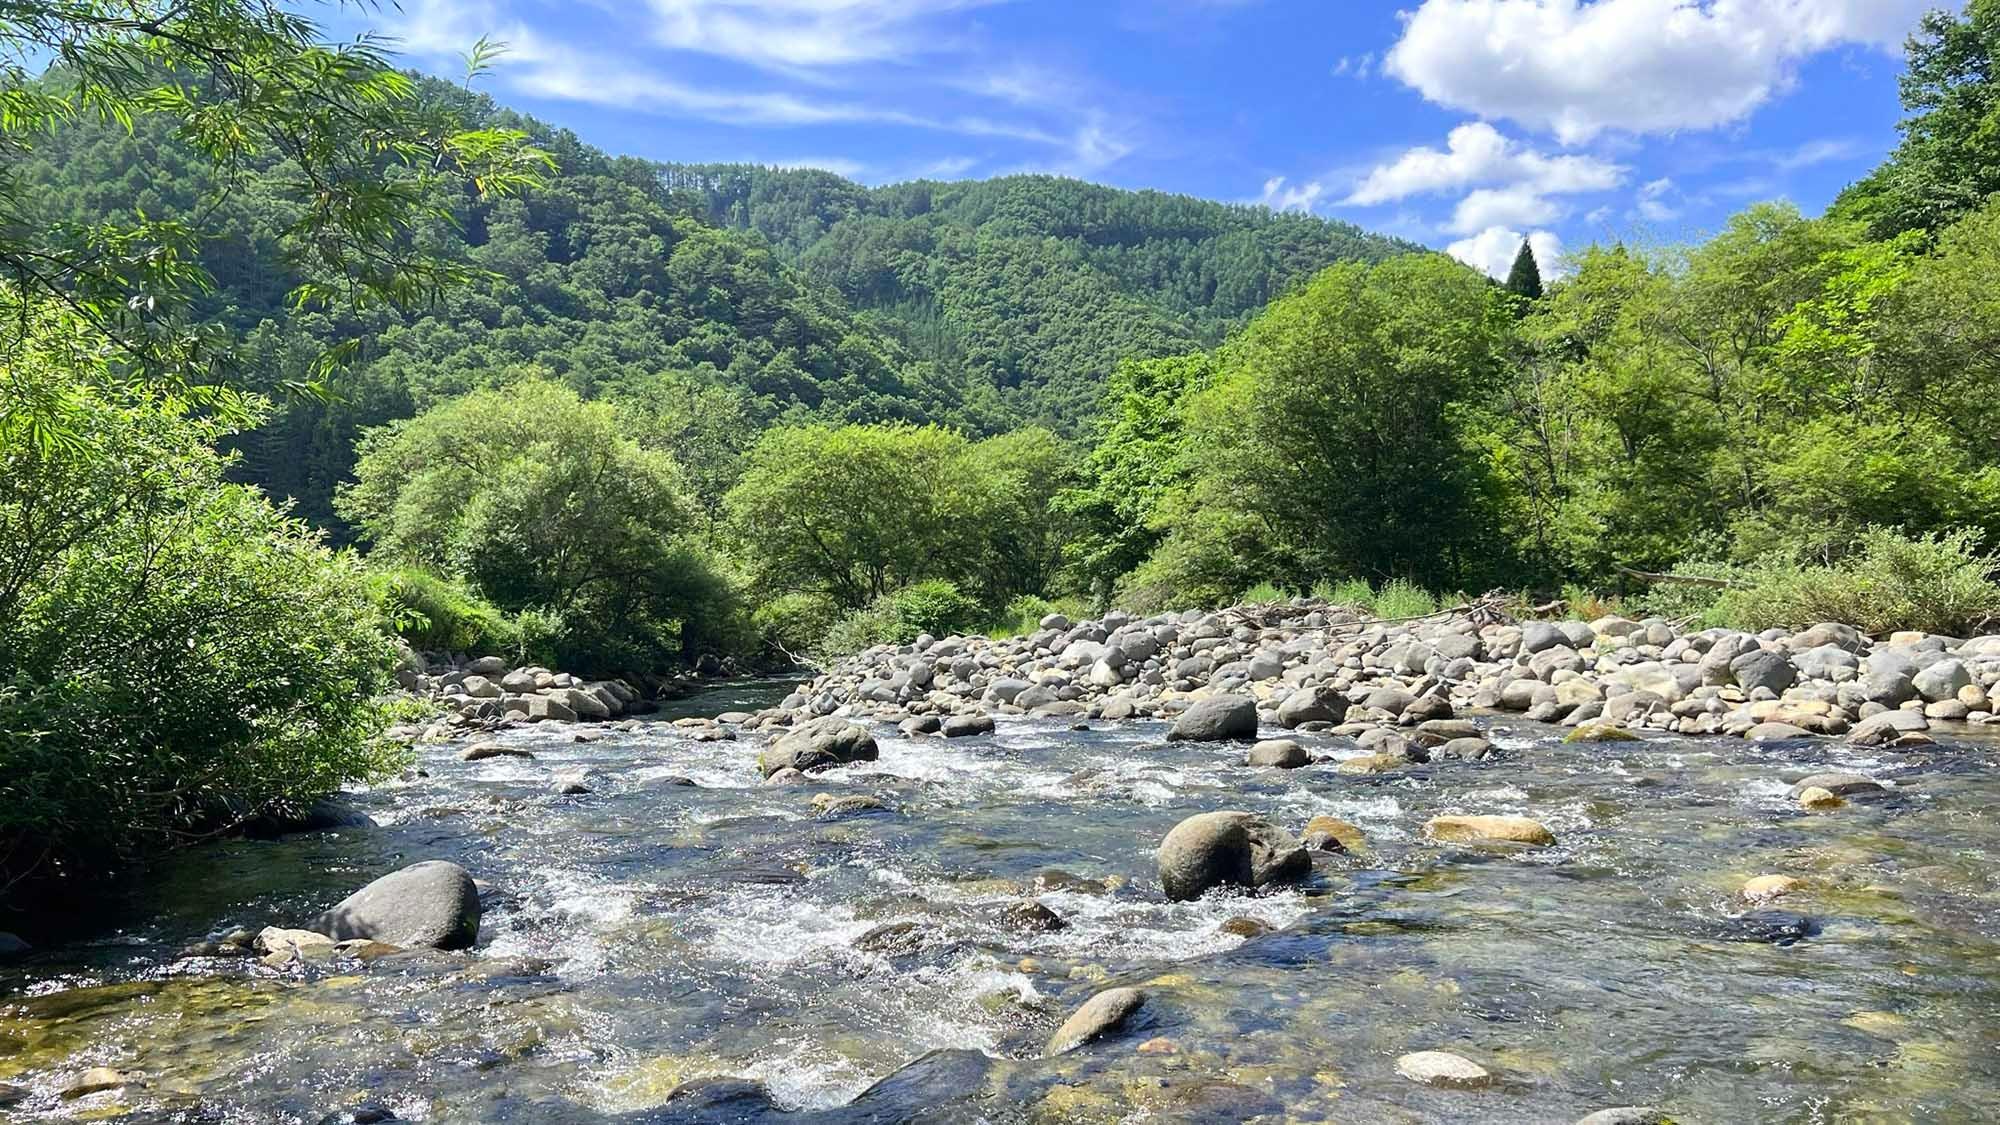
(1263, 593)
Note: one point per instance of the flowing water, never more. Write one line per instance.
(655, 932)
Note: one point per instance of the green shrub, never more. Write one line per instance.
(1349, 593)
(1686, 601)
(1263, 593)
(792, 625)
(1938, 583)
(933, 606)
(1402, 598)
(194, 659)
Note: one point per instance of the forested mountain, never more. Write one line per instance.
(712, 302)
(1035, 285)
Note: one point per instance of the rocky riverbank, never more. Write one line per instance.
(1313, 667)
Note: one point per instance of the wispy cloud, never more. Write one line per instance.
(805, 34)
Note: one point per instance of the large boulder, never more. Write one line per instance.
(1280, 753)
(432, 904)
(1940, 681)
(1312, 705)
(1762, 668)
(1219, 719)
(817, 745)
(1228, 848)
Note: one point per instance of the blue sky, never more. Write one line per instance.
(1462, 124)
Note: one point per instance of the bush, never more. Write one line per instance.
(1938, 583)
(791, 625)
(932, 606)
(1402, 598)
(1263, 593)
(438, 615)
(177, 655)
(1350, 593)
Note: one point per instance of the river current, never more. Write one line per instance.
(654, 932)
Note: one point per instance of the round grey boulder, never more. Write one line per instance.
(1228, 848)
(1222, 718)
(1280, 753)
(432, 904)
(817, 745)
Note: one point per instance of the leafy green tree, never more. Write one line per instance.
(1141, 459)
(1333, 420)
(1948, 163)
(1028, 535)
(857, 511)
(363, 164)
(1524, 278)
(540, 500)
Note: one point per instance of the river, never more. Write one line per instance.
(654, 932)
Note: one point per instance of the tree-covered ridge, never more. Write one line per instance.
(601, 279)
(1038, 286)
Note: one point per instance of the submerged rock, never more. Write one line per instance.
(964, 726)
(1627, 1115)
(1838, 784)
(433, 904)
(1815, 799)
(1099, 1016)
(1228, 848)
(1489, 829)
(1332, 834)
(1443, 1070)
(1765, 887)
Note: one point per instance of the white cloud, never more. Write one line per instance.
(803, 34)
(1477, 154)
(1301, 197)
(1652, 203)
(1355, 66)
(1494, 207)
(1492, 251)
(1577, 69)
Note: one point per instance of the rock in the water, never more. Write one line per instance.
(1887, 727)
(827, 806)
(485, 750)
(1219, 719)
(96, 1080)
(573, 784)
(1332, 834)
(1627, 1115)
(1443, 1070)
(817, 745)
(1032, 915)
(919, 725)
(1234, 848)
(1765, 887)
(1489, 829)
(432, 904)
(1281, 753)
(1838, 784)
(1600, 732)
(1776, 732)
(1940, 681)
(1815, 799)
(1099, 1016)
(964, 726)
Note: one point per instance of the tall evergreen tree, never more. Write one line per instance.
(1525, 279)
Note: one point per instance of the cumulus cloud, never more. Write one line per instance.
(1278, 196)
(1578, 69)
(1475, 155)
(1492, 251)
